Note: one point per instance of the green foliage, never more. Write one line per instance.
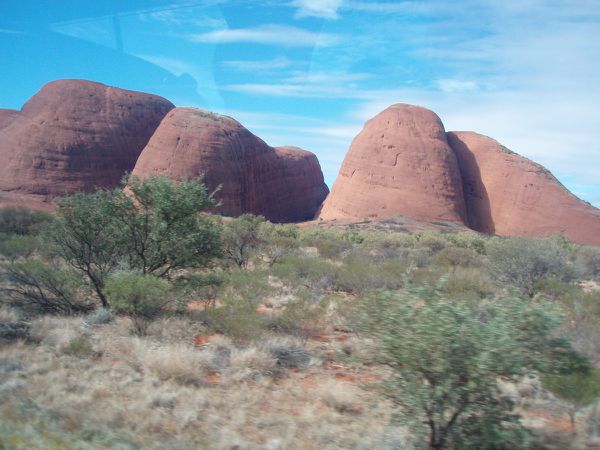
(42, 286)
(587, 261)
(142, 297)
(469, 283)
(242, 239)
(79, 346)
(162, 227)
(447, 355)
(523, 262)
(578, 388)
(313, 274)
(457, 257)
(18, 247)
(204, 287)
(360, 274)
(155, 230)
(22, 221)
(237, 319)
(278, 241)
(86, 236)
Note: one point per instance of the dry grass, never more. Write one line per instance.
(162, 391)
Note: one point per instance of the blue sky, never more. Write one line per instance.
(310, 72)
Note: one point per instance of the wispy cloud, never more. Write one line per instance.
(326, 9)
(451, 85)
(261, 65)
(271, 34)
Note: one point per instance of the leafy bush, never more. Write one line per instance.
(17, 247)
(468, 282)
(524, 262)
(242, 239)
(278, 241)
(100, 316)
(141, 297)
(39, 285)
(80, 347)
(156, 230)
(587, 261)
(447, 356)
(579, 389)
(22, 221)
(457, 257)
(238, 320)
(307, 272)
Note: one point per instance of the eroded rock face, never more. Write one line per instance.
(7, 116)
(400, 163)
(283, 184)
(508, 194)
(76, 135)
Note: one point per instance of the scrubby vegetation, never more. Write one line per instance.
(135, 319)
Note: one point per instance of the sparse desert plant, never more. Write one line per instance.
(100, 316)
(237, 319)
(579, 389)
(279, 240)
(79, 346)
(22, 221)
(18, 247)
(308, 272)
(587, 261)
(40, 285)
(12, 327)
(457, 257)
(242, 239)
(288, 353)
(447, 355)
(524, 262)
(141, 297)
(468, 282)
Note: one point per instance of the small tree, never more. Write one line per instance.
(142, 297)
(88, 238)
(155, 229)
(242, 238)
(579, 389)
(33, 283)
(524, 262)
(447, 356)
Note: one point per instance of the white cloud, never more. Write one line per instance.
(260, 65)
(325, 9)
(272, 34)
(450, 85)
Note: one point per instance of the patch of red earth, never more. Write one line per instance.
(560, 424)
(212, 378)
(262, 309)
(202, 340)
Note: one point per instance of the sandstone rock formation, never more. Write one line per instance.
(283, 184)
(400, 163)
(75, 135)
(7, 116)
(508, 194)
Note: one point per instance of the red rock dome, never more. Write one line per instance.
(508, 194)
(75, 135)
(400, 163)
(283, 184)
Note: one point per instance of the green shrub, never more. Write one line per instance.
(579, 389)
(278, 241)
(238, 320)
(313, 274)
(523, 262)
(79, 346)
(18, 247)
(141, 297)
(587, 261)
(468, 282)
(448, 355)
(43, 286)
(100, 316)
(242, 239)
(457, 257)
(22, 221)
(432, 240)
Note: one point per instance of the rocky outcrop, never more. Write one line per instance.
(283, 184)
(508, 194)
(7, 116)
(76, 135)
(400, 163)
